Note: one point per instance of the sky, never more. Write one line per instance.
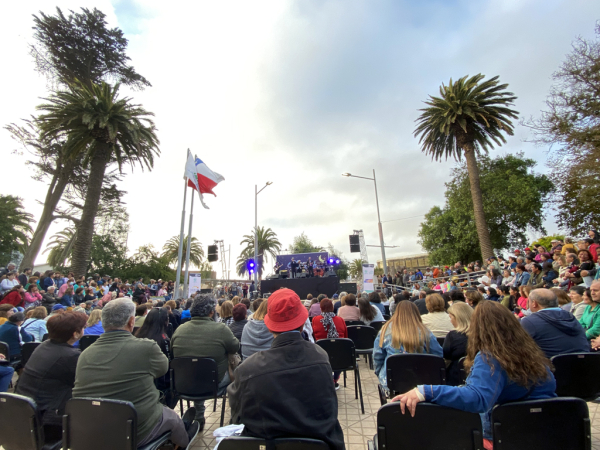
(297, 93)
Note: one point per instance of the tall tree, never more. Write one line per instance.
(268, 245)
(99, 126)
(355, 269)
(468, 117)
(303, 244)
(171, 250)
(15, 227)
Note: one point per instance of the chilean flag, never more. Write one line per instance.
(200, 177)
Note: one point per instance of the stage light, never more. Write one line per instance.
(330, 260)
(337, 261)
(251, 265)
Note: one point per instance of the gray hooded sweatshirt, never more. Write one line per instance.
(255, 338)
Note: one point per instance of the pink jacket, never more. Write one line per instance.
(31, 298)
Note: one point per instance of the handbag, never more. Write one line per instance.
(234, 361)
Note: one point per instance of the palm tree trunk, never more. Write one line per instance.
(483, 232)
(85, 230)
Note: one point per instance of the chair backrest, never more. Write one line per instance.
(376, 325)
(454, 429)
(4, 350)
(135, 329)
(87, 340)
(185, 319)
(463, 372)
(577, 375)
(441, 340)
(362, 336)
(99, 424)
(250, 443)
(408, 370)
(349, 323)
(20, 423)
(195, 377)
(386, 317)
(44, 337)
(341, 352)
(386, 309)
(27, 350)
(565, 423)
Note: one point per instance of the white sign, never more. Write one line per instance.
(368, 276)
(194, 284)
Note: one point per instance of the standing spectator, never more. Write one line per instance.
(590, 319)
(437, 321)
(349, 311)
(256, 336)
(36, 325)
(12, 333)
(455, 344)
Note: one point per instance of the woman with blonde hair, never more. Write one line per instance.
(226, 313)
(256, 336)
(455, 344)
(35, 324)
(403, 333)
(438, 320)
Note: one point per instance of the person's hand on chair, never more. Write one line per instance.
(409, 401)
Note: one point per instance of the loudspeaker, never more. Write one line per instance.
(301, 275)
(354, 243)
(350, 288)
(213, 253)
(331, 273)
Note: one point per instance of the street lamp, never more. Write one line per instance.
(385, 270)
(256, 192)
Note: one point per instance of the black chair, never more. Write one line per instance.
(100, 424)
(5, 350)
(185, 319)
(463, 372)
(196, 379)
(135, 329)
(386, 310)
(565, 423)
(441, 341)
(87, 340)
(170, 330)
(376, 325)
(250, 443)
(408, 370)
(350, 323)
(386, 317)
(363, 338)
(342, 357)
(44, 337)
(27, 350)
(21, 425)
(577, 375)
(397, 430)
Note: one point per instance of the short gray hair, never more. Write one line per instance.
(116, 313)
(203, 305)
(544, 297)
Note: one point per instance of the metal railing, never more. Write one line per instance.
(469, 277)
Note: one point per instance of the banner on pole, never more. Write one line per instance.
(194, 284)
(368, 276)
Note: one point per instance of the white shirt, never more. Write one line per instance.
(7, 285)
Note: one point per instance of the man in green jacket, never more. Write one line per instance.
(122, 367)
(535, 280)
(202, 337)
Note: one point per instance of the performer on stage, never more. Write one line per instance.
(309, 266)
(293, 265)
(278, 268)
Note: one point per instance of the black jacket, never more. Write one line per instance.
(287, 391)
(455, 347)
(48, 378)
(237, 328)
(420, 303)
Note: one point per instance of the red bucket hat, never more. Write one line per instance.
(285, 312)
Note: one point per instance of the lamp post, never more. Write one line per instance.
(385, 269)
(256, 192)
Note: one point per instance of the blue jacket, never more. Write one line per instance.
(556, 331)
(9, 333)
(186, 314)
(66, 300)
(47, 283)
(93, 330)
(379, 306)
(381, 354)
(523, 279)
(484, 389)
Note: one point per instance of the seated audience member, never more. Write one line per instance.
(174, 305)
(14, 297)
(369, 313)
(13, 334)
(32, 297)
(93, 326)
(403, 333)
(329, 326)
(577, 305)
(267, 377)
(420, 303)
(338, 301)
(5, 312)
(239, 320)
(49, 375)
(473, 297)
(121, 367)
(564, 301)
(590, 318)
(375, 300)
(455, 344)
(315, 307)
(186, 314)
(140, 315)
(36, 325)
(202, 337)
(256, 337)
(554, 330)
(504, 364)
(349, 311)
(155, 328)
(438, 320)
(226, 314)
(6, 375)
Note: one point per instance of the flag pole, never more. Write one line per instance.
(189, 245)
(180, 252)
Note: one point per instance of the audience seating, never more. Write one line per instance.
(101, 424)
(45, 337)
(185, 319)
(87, 340)
(27, 350)
(463, 372)
(376, 325)
(135, 329)
(21, 425)
(363, 338)
(577, 375)
(433, 427)
(551, 424)
(386, 309)
(250, 443)
(441, 341)
(350, 323)
(342, 357)
(408, 370)
(386, 317)
(196, 379)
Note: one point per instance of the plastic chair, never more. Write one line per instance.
(250, 443)
(577, 375)
(4, 350)
(21, 425)
(363, 338)
(196, 379)
(565, 423)
(27, 350)
(350, 323)
(100, 424)
(386, 310)
(87, 340)
(397, 430)
(376, 325)
(441, 341)
(386, 317)
(463, 372)
(342, 357)
(45, 337)
(408, 370)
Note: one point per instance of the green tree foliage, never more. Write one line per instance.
(15, 227)
(268, 245)
(171, 251)
(146, 263)
(570, 126)
(514, 200)
(468, 117)
(355, 269)
(303, 244)
(546, 241)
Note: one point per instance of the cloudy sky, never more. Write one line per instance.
(298, 92)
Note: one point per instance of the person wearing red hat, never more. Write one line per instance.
(268, 394)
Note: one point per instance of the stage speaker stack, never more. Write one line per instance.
(213, 253)
(301, 275)
(283, 274)
(331, 273)
(354, 243)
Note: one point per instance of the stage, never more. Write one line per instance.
(303, 286)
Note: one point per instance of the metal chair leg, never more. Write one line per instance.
(188, 402)
(357, 375)
(355, 383)
(215, 405)
(344, 378)
(223, 410)
(181, 407)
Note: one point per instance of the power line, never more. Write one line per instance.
(404, 218)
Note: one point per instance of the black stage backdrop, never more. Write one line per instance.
(303, 286)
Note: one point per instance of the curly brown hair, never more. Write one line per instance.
(496, 332)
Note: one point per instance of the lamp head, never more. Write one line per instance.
(269, 183)
(346, 174)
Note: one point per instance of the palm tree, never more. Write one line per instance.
(468, 118)
(268, 244)
(355, 268)
(101, 127)
(171, 250)
(15, 227)
(60, 247)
